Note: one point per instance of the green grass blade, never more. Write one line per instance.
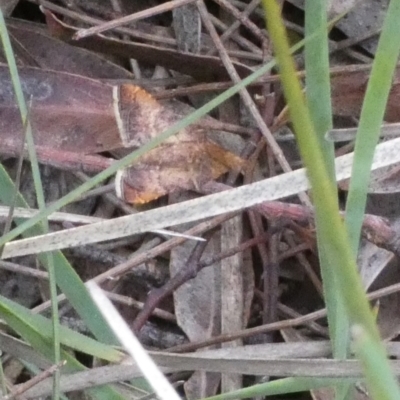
(39, 192)
(318, 77)
(318, 97)
(372, 114)
(319, 103)
(324, 192)
(378, 374)
(279, 386)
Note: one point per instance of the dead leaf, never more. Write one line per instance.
(348, 92)
(187, 26)
(68, 112)
(47, 52)
(197, 306)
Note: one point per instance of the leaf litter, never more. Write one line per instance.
(85, 114)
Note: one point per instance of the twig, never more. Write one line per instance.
(248, 101)
(34, 381)
(170, 5)
(193, 267)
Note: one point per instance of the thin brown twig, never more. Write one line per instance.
(193, 267)
(34, 381)
(240, 40)
(289, 323)
(21, 269)
(248, 101)
(138, 259)
(242, 17)
(312, 325)
(233, 28)
(65, 160)
(81, 17)
(149, 12)
(301, 258)
(157, 295)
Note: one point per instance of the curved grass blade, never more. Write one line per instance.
(371, 118)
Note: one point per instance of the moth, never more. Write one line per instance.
(79, 115)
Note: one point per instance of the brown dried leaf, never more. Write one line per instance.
(68, 112)
(36, 48)
(197, 305)
(348, 92)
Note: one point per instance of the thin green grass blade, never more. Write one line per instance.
(319, 103)
(372, 114)
(324, 192)
(31, 335)
(39, 193)
(371, 118)
(68, 337)
(279, 386)
(378, 374)
(318, 97)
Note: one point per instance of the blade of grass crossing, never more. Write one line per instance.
(319, 103)
(324, 193)
(371, 118)
(279, 386)
(39, 194)
(378, 374)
